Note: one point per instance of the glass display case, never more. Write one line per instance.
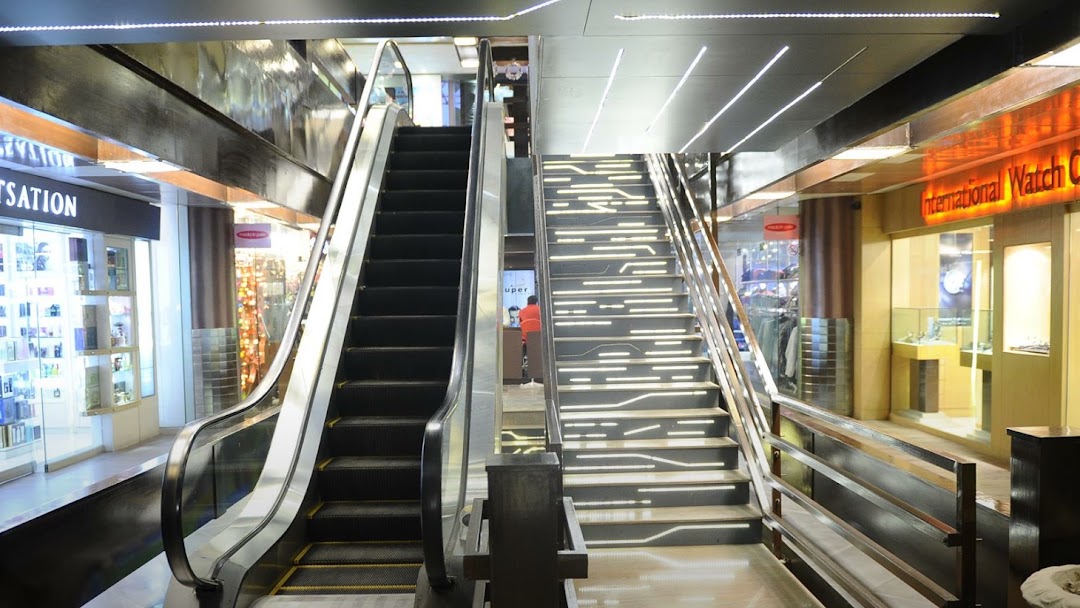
(927, 325)
(1027, 303)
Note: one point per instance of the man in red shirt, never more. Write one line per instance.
(529, 317)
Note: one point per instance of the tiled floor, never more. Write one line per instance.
(36, 491)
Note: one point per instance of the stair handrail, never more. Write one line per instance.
(755, 429)
(552, 418)
(459, 390)
(172, 485)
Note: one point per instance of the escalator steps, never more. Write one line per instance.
(404, 330)
(389, 397)
(416, 247)
(423, 200)
(426, 180)
(451, 160)
(412, 273)
(420, 222)
(398, 362)
(356, 478)
(376, 436)
(379, 552)
(406, 301)
(375, 520)
(431, 143)
(372, 578)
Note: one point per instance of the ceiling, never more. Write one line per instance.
(423, 56)
(581, 39)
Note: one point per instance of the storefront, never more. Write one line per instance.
(76, 323)
(983, 298)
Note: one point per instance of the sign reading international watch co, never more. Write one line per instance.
(28, 197)
(1046, 176)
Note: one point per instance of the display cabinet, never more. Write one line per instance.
(1027, 305)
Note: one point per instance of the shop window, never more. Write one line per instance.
(145, 299)
(1027, 305)
(942, 330)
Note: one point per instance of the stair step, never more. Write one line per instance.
(370, 520)
(616, 305)
(376, 435)
(420, 222)
(671, 526)
(630, 396)
(456, 160)
(350, 579)
(645, 424)
(422, 200)
(353, 478)
(640, 285)
(605, 237)
(374, 552)
(390, 301)
(431, 142)
(664, 489)
(599, 214)
(403, 330)
(696, 370)
(628, 264)
(417, 130)
(389, 397)
(416, 247)
(651, 325)
(606, 245)
(398, 362)
(650, 455)
(595, 348)
(412, 273)
(637, 194)
(428, 179)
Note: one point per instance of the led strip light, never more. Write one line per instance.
(658, 536)
(737, 96)
(808, 15)
(16, 29)
(682, 81)
(603, 99)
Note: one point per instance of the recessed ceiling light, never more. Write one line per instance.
(770, 196)
(682, 81)
(470, 63)
(465, 41)
(603, 98)
(397, 65)
(17, 29)
(1068, 58)
(742, 92)
(806, 15)
(872, 152)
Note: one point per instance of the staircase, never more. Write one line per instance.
(648, 456)
(364, 533)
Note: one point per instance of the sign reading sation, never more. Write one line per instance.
(1045, 176)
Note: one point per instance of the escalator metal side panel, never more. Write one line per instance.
(486, 418)
(245, 573)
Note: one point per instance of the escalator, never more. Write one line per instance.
(364, 533)
(368, 469)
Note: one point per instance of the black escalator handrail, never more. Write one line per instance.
(459, 391)
(172, 487)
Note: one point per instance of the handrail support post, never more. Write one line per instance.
(777, 471)
(965, 525)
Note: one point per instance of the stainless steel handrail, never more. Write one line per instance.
(459, 390)
(172, 487)
(553, 425)
(710, 306)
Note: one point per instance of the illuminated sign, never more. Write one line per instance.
(781, 227)
(1049, 175)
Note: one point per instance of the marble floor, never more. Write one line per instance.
(718, 576)
(37, 491)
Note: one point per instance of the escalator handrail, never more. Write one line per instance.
(172, 487)
(552, 426)
(459, 390)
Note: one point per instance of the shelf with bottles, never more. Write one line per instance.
(117, 268)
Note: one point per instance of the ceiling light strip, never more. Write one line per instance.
(811, 15)
(603, 98)
(737, 96)
(792, 103)
(682, 81)
(16, 29)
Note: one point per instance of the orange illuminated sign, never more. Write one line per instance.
(1046, 176)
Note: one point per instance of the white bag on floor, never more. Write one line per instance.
(1054, 587)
